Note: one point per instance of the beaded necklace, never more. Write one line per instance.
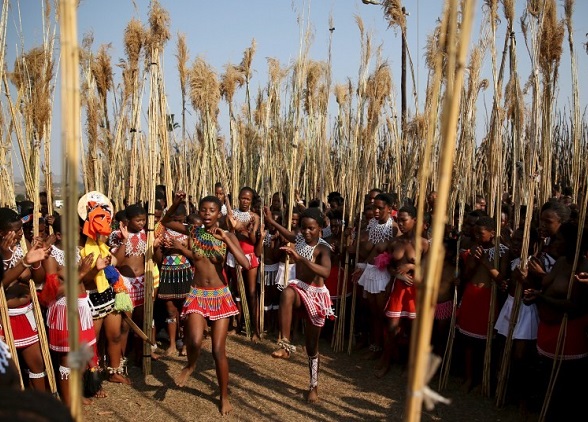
(242, 216)
(490, 251)
(305, 250)
(378, 233)
(267, 240)
(136, 244)
(58, 255)
(175, 235)
(206, 245)
(17, 254)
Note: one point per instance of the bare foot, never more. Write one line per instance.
(225, 407)
(255, 338)
(183, 352)
(101, 394)
(281, 354)
(170, 351)
(184, 375)
(154, 356)
(313, 395)
(232, 332)
(382, 371)
(86, 401)
(119, 378)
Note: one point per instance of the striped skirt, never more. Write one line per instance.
(57, 324)
(212, 303)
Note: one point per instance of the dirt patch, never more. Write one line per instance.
(263, 388)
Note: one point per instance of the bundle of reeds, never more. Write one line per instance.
(205, 96)
(420, 340)
(157, 37)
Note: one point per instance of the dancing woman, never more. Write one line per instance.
(209, 297)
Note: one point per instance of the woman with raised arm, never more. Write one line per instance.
(312, 257)
(209, 297)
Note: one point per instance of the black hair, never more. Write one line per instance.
(193, 217)
(248, 189)
(393, 197)
(427, 218)
(7, 217)
(57, 224)
(335, 214)
(210, 198)
(409, 209)
(375, 190)
(134, 210)
(314, 203)
(315, 214)
(331, 196)
(161, 189)
(559, 208)
(384, 197)
(567, 191)
(339, 200)
(26, 208)
(256, 202)
(487, 222)
(408, 201)
(121, 216)
(477, 214)
(181, 209)
(218, 185)
(31, 405)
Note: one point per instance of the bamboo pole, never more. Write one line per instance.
(514, 315)
(420, 341)
(354, 292)
(70, 117)
(448, 354)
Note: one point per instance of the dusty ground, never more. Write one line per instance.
(263, 388)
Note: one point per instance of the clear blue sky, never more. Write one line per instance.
(219, 31)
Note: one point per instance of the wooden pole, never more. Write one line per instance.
(70, 135)
(421, 337)
(403, 79)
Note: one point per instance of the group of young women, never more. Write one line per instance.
(202, 256)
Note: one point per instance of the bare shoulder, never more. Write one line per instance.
(323, 249)
(425, 245)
